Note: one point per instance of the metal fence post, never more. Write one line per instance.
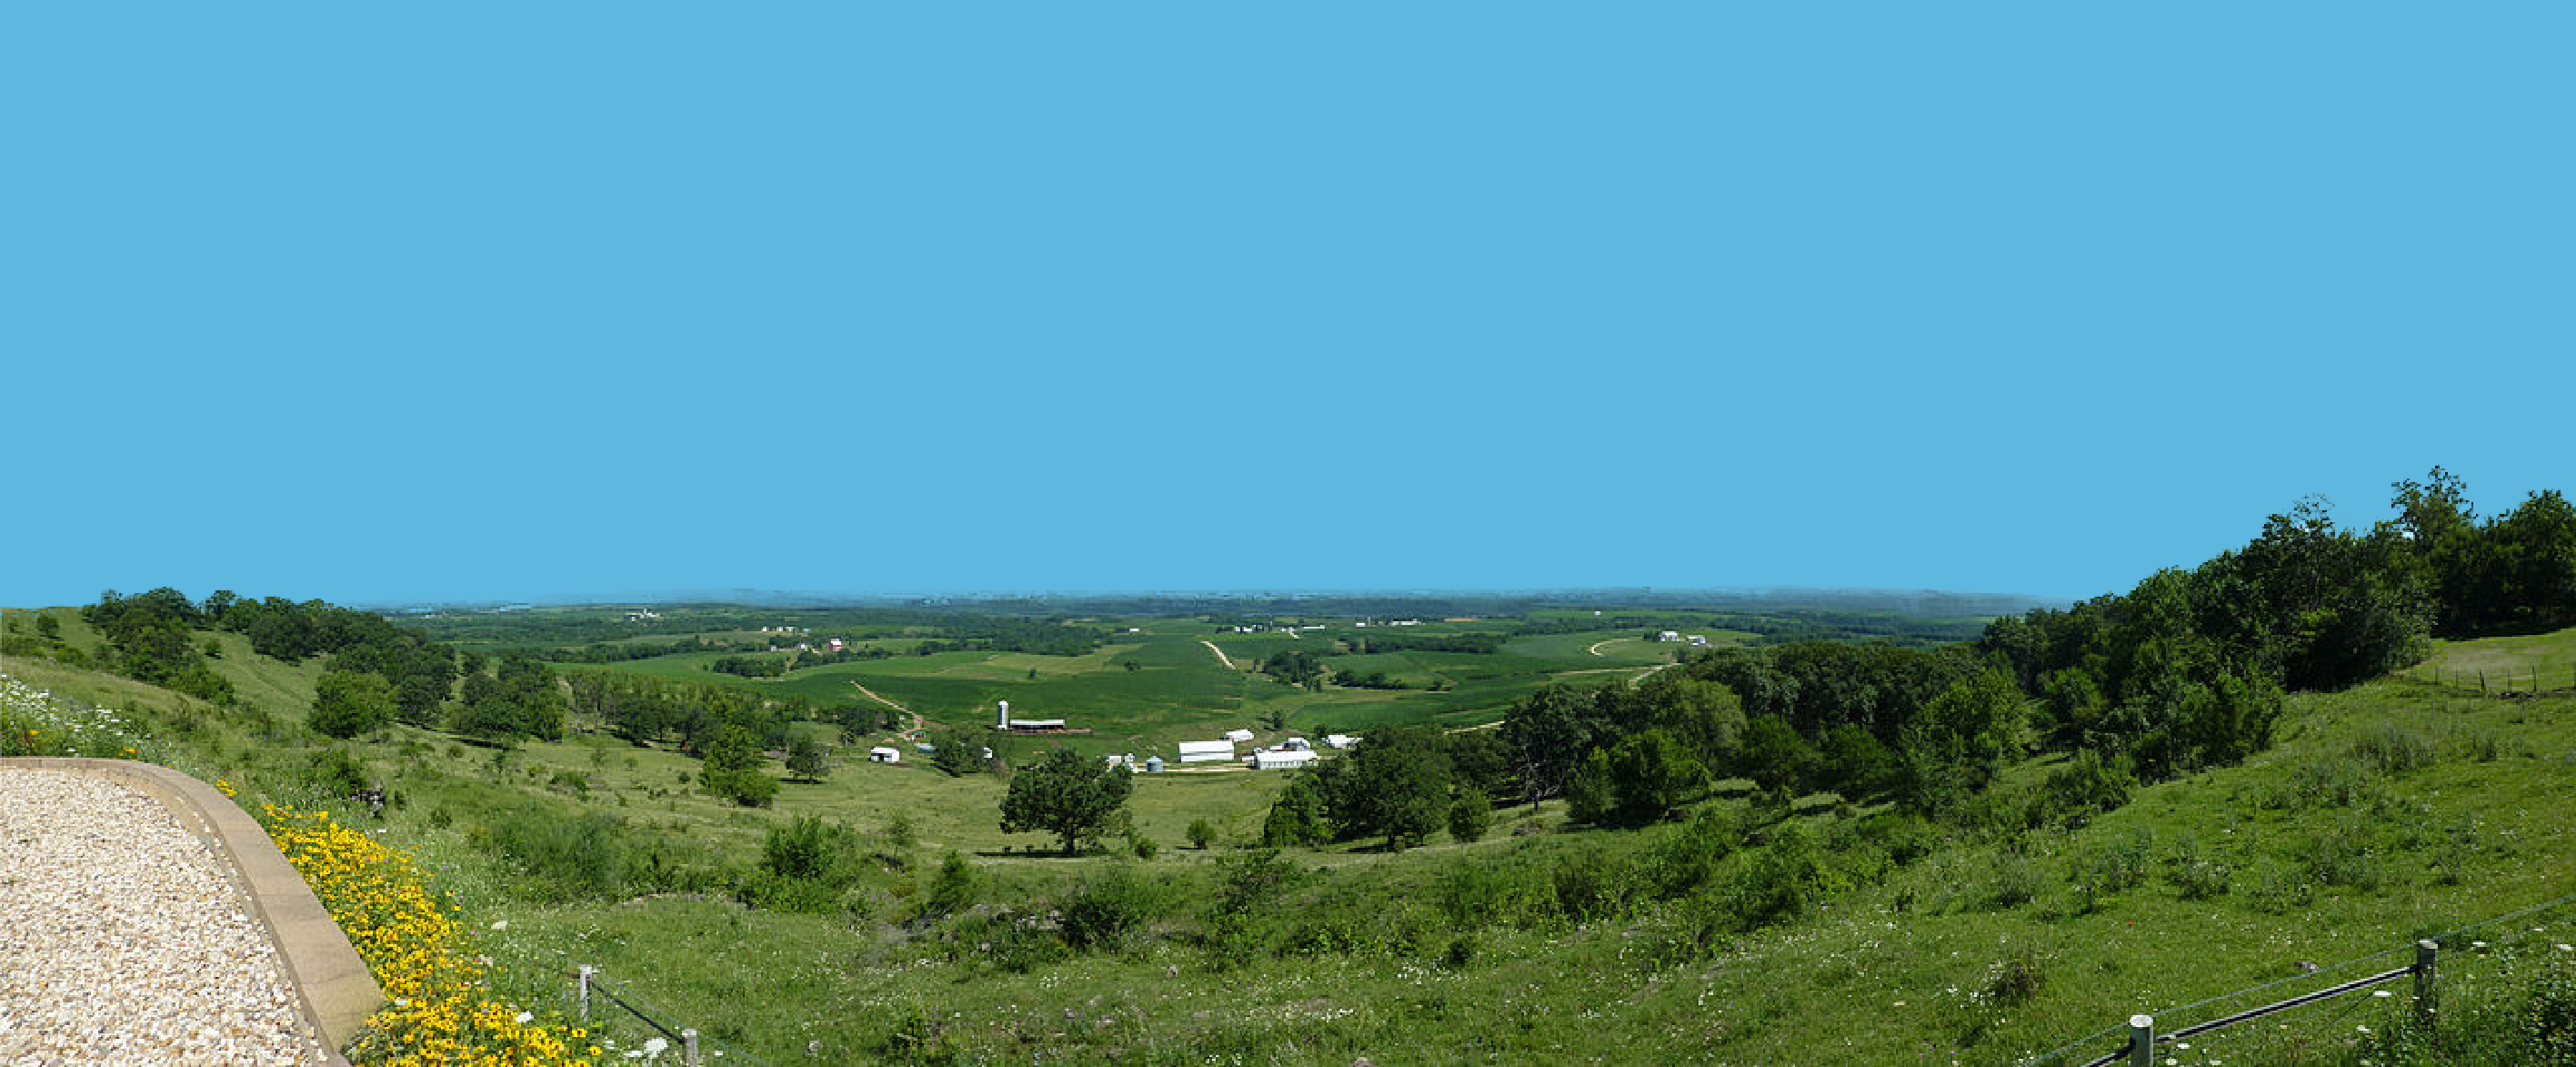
(586, 971)
(689, 1047)
(2142, 1041)
(2425, 990)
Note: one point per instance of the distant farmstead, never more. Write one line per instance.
(882, 754)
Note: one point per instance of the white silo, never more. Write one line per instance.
(1005, 724)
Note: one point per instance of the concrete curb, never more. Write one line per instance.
(337, 991)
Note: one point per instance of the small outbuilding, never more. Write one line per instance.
(1341, 740)
(882, 754)
(1238, 736)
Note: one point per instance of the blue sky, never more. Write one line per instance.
(502, 301)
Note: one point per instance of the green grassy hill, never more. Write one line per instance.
(2406, 807)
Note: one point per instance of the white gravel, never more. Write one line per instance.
(122, 940)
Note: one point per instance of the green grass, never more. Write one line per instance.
(2392, 811)
(2544, 661)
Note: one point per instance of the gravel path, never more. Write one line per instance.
(122, 940)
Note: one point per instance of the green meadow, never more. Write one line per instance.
(2400, 808)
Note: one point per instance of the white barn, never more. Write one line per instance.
(1206, 751)
(882, 754)
(1273, 759)
(1238, 735)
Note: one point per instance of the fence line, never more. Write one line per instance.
(589, 979)
(2142, 1035)
(2509, 680)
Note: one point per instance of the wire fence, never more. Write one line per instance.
(2534, 680)
(2349, 977)
(695, 1050)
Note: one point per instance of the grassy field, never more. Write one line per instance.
(2399, 809)
(2543, 661)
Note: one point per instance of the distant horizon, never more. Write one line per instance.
(786, 598)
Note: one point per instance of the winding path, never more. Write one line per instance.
(1220, 655)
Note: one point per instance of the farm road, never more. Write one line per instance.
(919, 724)
(1220, 654)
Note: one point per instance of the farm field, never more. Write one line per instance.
(1143, 692)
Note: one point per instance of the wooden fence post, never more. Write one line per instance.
(2142, 1041)
(586, 971)
(2425, 989)
(689, 1047)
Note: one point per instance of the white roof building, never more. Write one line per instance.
(1238, 735)
(1341, 740)
(1271, 759)
(1206, 751)
(882, 754)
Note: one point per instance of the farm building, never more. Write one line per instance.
(1341, 740)
(882, 754)
(1153, 764)
(1238, 736)
(1273, 759)
(1206, 751)
(1296, 744)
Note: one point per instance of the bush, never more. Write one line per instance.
(749, 788)
(2087, 786)
(2194, 876)
(810, 848)
(1106, 909)
(1473, 894)
(561, 857)
(1470, 815)
(1247, 880)
(335, 772)
(1202, 833)
(2112, 869)
(952, 890)
(2392, 749)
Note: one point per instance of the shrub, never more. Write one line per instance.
(953, 889)
(561, 857)
(1247, 880)
(810, 848)
(2194, 876)
(1470, 815)
(1474, 894)
(749, 788)
(1202, 833)
(1107, 908)
(2393, 749)
(335, 772)
(2111, 869)
(2012, 881)
(2087, 786)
